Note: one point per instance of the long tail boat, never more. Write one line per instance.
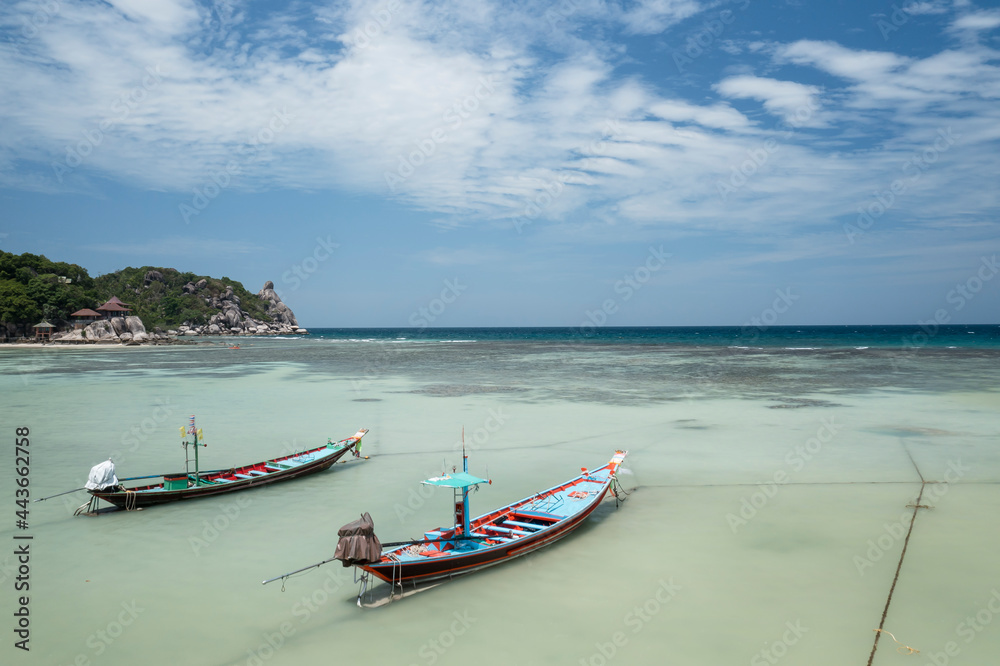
(473, 544)
(104, 485)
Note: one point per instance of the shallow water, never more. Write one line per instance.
(768, 507)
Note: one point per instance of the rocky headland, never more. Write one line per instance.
(229, 318)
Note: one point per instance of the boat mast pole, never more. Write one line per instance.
(194, 431)
(465, 491)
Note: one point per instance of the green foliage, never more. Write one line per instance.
(31, 287)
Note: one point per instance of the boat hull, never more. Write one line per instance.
(433, 569)
(142, 497)
(397, 568)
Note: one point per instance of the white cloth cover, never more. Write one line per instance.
(102, 476)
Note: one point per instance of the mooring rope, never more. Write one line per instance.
(903, 648)
(130, 500)
(906, 542)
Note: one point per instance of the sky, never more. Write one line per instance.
(488, 163)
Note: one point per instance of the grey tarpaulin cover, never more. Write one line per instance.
(358, 543)
(102, 476)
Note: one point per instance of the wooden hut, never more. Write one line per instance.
(114, 308)
(83, 317)
(43, 331)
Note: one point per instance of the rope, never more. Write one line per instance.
(916, 507)
(902, 649)
(130, 500)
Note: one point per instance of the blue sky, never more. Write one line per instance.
(660, 162)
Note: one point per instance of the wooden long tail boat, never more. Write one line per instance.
(104, 485)
(473, 544)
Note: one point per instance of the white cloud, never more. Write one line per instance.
(975, 21)
(649, 17)
(796, 103)
(489, 109)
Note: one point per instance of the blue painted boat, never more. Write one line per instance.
(473, 544)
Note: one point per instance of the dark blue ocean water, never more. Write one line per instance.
(791, 337)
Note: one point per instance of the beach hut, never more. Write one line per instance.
(83, 317)
(43, 331)
(114, 308)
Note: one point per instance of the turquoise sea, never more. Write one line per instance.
(773, 476)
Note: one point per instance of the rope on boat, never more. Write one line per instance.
(616, 487)
(902, 649)
(130, 500)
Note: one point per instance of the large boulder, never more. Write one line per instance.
(118, 323)
(100, 330)
(152, 276)
(233, 316)
(278, 311)
(213, 329)
(134, 325)
(142, 336)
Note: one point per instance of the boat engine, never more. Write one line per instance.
(358, 543)
(102, 476)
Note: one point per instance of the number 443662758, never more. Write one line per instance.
(22, 470)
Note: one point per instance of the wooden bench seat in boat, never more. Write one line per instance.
(257, 472)
(492, 537)
(537, 515)
(504, 530)
(527, 526)
(243, 476)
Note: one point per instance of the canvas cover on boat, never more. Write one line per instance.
(102, 476)
(358, 543)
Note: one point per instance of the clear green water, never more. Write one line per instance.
(672, 576)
